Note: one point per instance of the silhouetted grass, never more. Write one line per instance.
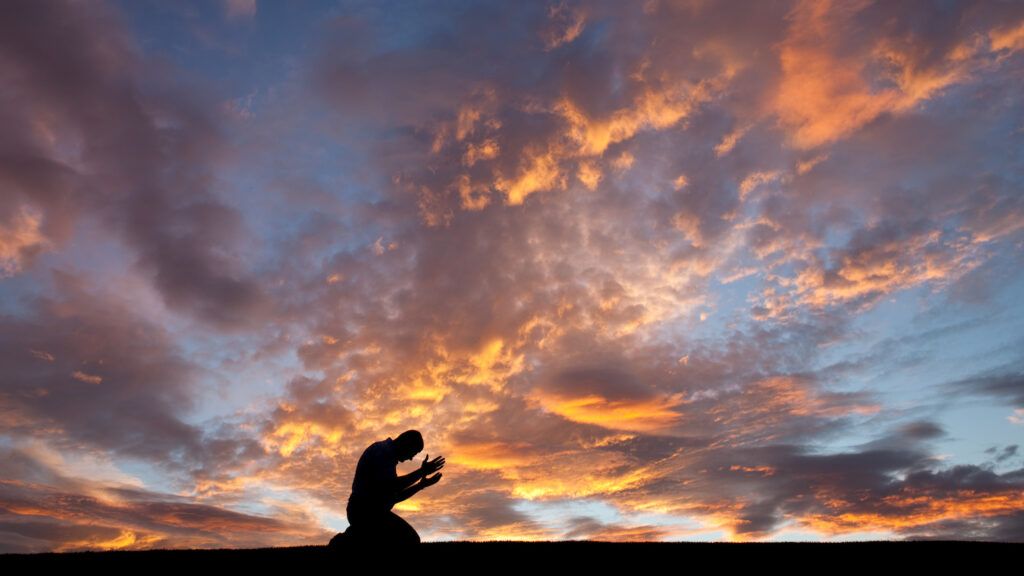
(498, 554)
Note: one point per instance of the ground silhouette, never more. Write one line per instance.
(459, 557)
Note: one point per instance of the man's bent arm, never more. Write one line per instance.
(403, 482)
(404, 494)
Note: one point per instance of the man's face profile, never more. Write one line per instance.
(405, 453)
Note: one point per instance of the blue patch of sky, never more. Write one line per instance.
(670, 522)
(973, 429)
(912, 391)
(17, 291)
(511, 40)
(594, 36)
(264, 497)
(232, 382)
(238, 52)
(795, 535)
(264, 200)
(258, 57)
(255, 57)
(152, 477)
(333, 519)
(835, 239)
(556, 515)
(403, 25)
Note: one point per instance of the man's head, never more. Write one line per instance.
(408, 444)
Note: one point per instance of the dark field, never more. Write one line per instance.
(460, 556)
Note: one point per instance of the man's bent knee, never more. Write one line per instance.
(403, 532)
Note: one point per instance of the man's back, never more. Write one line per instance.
(373, 485)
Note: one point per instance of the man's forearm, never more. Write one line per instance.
(409, 479)
(406, 493)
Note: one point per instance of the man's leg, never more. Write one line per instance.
(379, 526)
(399, 531)
(365, 524)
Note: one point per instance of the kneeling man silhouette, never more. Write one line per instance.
(376, 488)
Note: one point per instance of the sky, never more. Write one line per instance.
(652, 270)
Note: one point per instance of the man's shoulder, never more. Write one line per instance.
(375, 449)
(373, 445)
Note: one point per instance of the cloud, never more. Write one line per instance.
(96, 133)
(43, 510)
(1006, 453)
(566, 24)
(493, 513)
(549, 273)
(873, 489)
(84, 371)
(607, 396)
(20, 240)
(240, 8)
(584, 528)
(831, 87)
(607, 251)
(1003, 383)
(876, 262)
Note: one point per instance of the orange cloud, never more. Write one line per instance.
(824, 94)
(88, 378)
(1010, 37)
(491, 455)
(577, 476)
(910, 509)
(539, 171)
(654, 109)
(730, 140)
(564, 25)
(635, 415)
(879, 270)
(589, 174)
(20, 239)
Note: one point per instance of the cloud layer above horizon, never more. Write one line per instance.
(656, 270)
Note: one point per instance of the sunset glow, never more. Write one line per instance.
(654, 270)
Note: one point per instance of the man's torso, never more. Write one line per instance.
(374, 480)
